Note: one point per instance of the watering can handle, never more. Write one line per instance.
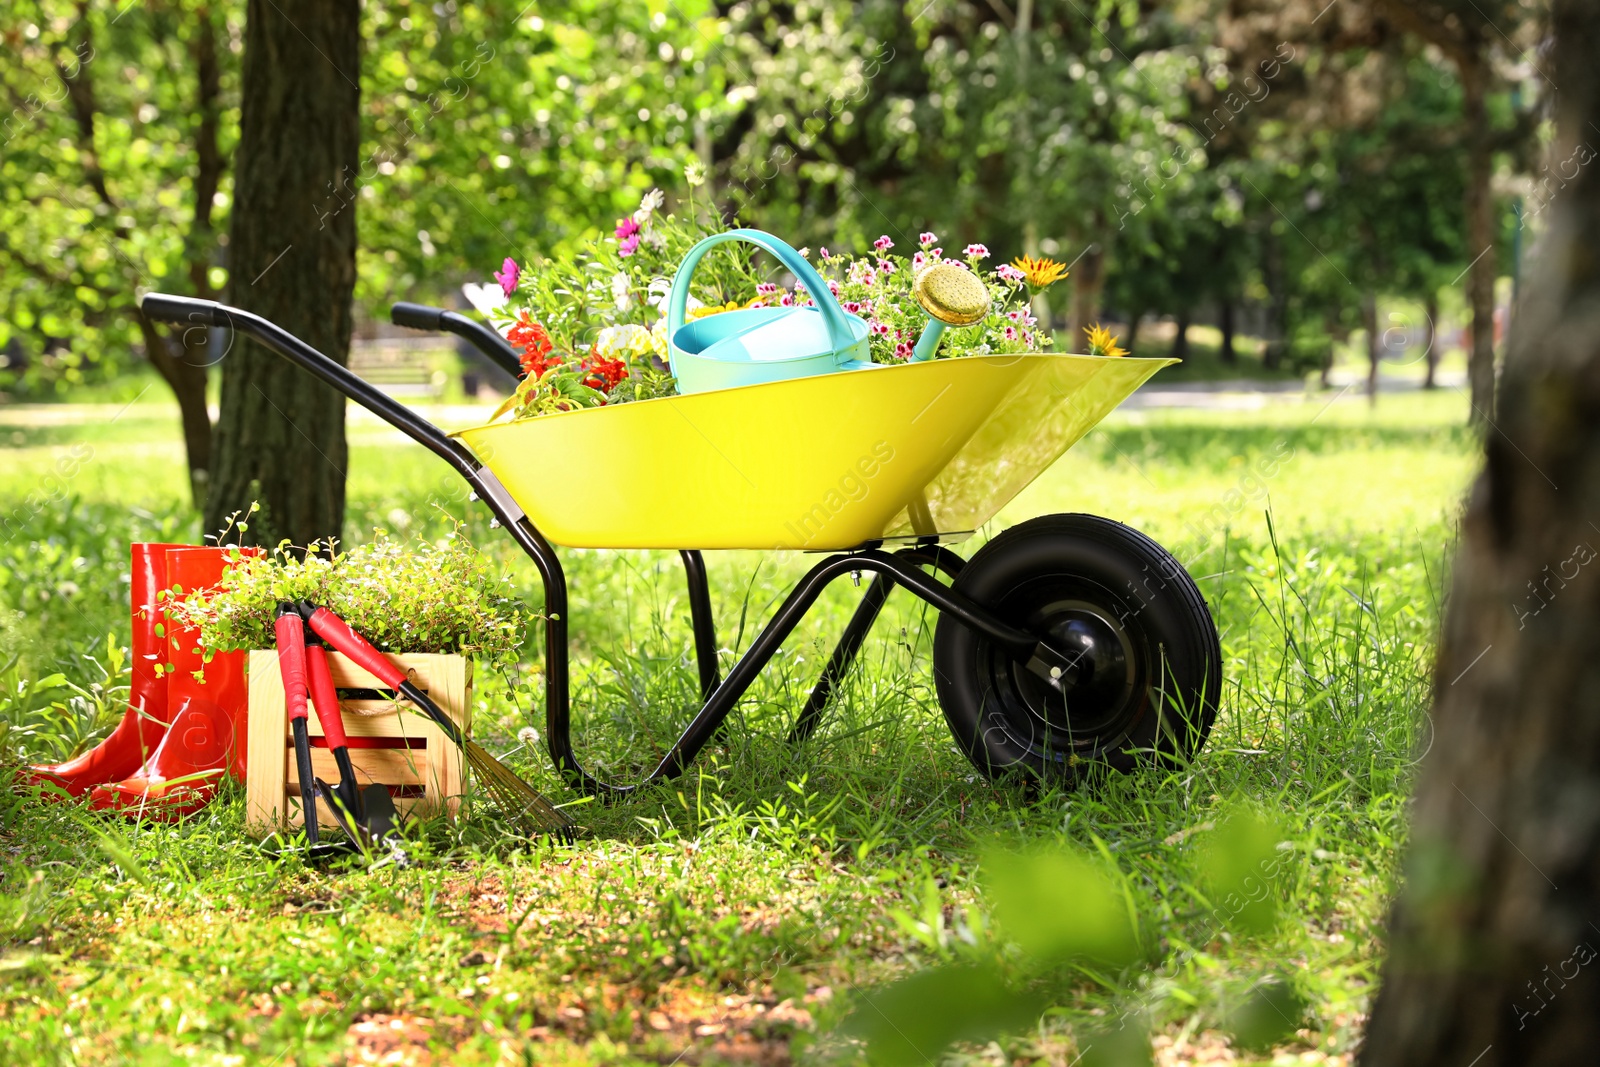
(839, 334)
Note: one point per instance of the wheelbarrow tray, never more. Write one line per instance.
(823, 463)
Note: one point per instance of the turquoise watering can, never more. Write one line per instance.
(769, 344)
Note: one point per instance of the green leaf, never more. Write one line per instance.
(911, 1022)
(1238, 867)
(1268, 1013)
(1059, 905)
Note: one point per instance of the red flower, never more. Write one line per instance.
(535, 343)
(603, 374)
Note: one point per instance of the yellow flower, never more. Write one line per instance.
(1039, 273)
(714, 309)
(624, 342)
(1102, 342)
(658, 339)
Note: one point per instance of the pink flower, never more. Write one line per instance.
(918, 260)
(927, 240)
(626, 228)
(1010, 333)
(852, 307)
(880, 328)
(833, 287)
(1014, 316)
(787, 301)
(936, 253)
(630, 244)
(902, 350)
(976, 251)
(508, 276)
(883, 244)
(824, 251)
(886, 266)
(766, 289)
(1009, 273)
(1027, 338)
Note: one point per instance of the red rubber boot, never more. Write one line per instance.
(145, 722)
(206, 739)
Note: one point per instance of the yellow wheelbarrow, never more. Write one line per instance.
(1066, 642)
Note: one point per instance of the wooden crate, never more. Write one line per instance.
(419, 760)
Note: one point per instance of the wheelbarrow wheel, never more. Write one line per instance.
(1148, 665)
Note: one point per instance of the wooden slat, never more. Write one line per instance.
(267, 762)
(391, 766)
(274, 794)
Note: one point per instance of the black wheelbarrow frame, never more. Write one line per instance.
(718, 695)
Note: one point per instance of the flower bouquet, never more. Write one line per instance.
(591, 330)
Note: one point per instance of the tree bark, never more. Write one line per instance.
(1225, 317)
(1277, 304)
(1180, 336)
(1369, 322)
(184, 368)
(1480, 237)
(1431, 351)
(280, 440)
(1494, 939)
(1087, 280)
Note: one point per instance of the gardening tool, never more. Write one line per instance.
(766, 344)
(144, 723)
(518, 799)
(1065, 643)
(366, 814)
(207, 700)
(291, 640)
(952, 296)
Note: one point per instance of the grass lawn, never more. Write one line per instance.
(744, 911)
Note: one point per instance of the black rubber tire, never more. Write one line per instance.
(1152, 663)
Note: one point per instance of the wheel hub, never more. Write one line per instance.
(1087, 692)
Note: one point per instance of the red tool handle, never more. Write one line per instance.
(325, 696)
(337, 633)
(291, 634)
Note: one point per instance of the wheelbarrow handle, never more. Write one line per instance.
(481, 337)
(185, 310)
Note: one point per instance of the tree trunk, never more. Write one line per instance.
(1134, 318)
(1494, 955)
(1431, 352)
(184, 371)
(1480, 239)
(1277, 304)
(1087, 279)
(280, 439)
(1229, 356)
(1180, 336)
(1369, 323)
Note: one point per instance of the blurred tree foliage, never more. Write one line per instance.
(1186, 156)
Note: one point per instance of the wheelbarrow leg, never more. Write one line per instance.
(844, 653)
(705, 630)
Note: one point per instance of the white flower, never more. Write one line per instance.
(623, 342)
(485, 298)
(619, 291)
(648, 205)
(694, 173)
(528, 736)
(659, 290)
